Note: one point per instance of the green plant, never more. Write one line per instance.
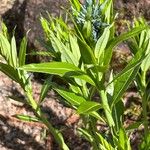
(81, 56)
(138, 43)
(13, 60)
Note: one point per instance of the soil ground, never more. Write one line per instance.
(21, 135)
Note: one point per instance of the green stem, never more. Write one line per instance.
(93, 132)
(144, 106)
(144, 102)
(56, 134)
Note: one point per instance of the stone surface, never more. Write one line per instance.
(129, 9)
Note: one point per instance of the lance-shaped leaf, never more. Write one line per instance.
(74, 100)
(27, 118)
(22, 52)
(117, 40)
(85, 133)
(5, 48)
(76, 4)
(124, 79)
(103, 142)
(124, 141)
(74, 47)
(14, 52)
(86, 53)
(10, 72)
(88, 107)
(127, 69)
(101, 45)
(70, 97)
(46, 86)
(80, 75)
(58, 68)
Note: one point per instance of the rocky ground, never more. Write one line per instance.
(18, 135)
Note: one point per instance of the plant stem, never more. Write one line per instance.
(144, 102)
(57, 135)
(144, 106)
(93, 132)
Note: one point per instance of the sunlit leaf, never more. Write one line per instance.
(70, 97)
(101, 45)
(133, 32)
(58, 68)
(5, 49)
(123, 80)
(88, 107)
(74, 47)
(14, 52)
(22, 52)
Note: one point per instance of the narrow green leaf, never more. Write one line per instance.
(59, 138)
(76, 4)
(122, 139)
(86, 134)
(72, 98)
(80, 75)
(45, 25)
(117, 113)
(104, 143)
(58, 68)
(101, 45)
(26, 118)
(117, 40)
(69, 57)
(4, 30)
(134, 126)
(75, 88)
(56, 44)
(74, 47)
(88, 107)
(14, 52)
(22, 52)
(18, 99)
(87, 29)
(106, 108)
(97, 68)
(110, 87)
(86, 53)
(142, 38)
(146, 63)
(124, 79)
(5, 49)
(46, 86)
(10, 72)
(127, 69)
(97, 116)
